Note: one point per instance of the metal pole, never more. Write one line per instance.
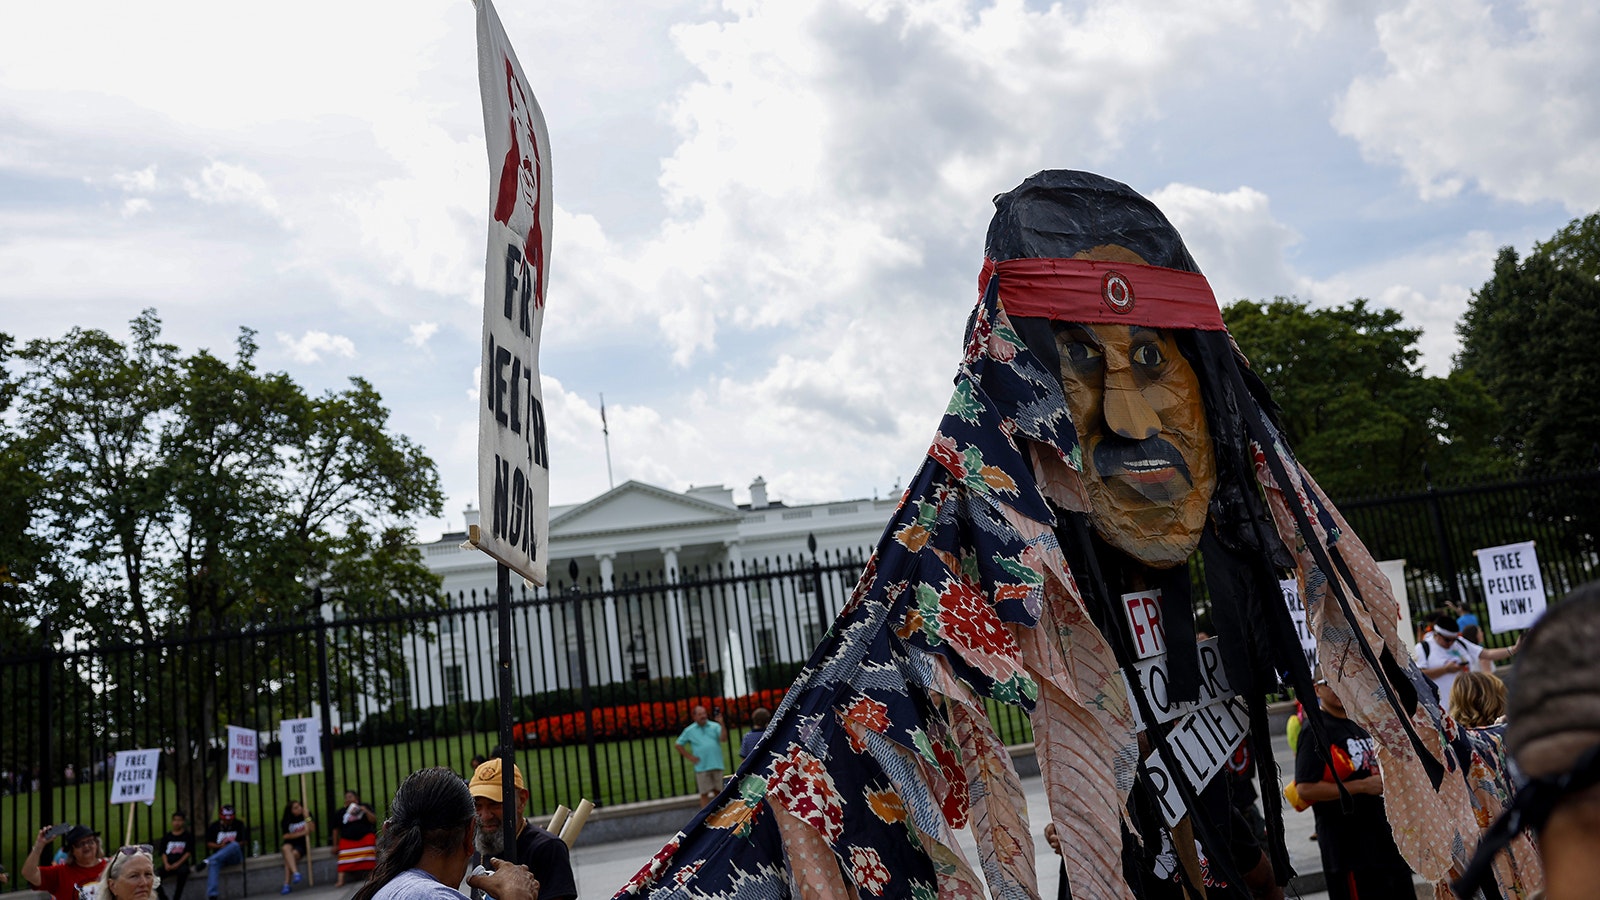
(330, 793)
(1436, 515)
(574, 598)
(511, 811)
(47, 806)
(816, 585)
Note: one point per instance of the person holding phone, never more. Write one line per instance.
(1443, 654)
(83, 866)
(701, 744)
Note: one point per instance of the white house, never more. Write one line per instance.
(655, 564)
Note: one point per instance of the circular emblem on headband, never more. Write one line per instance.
(1117, 292)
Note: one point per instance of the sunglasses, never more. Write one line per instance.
(137, 850)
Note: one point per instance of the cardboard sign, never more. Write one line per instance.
(301, 740)
(1203, 741)
(1512, 586)
(1144, 623)
(1302, 621)
(513, 453)
(133, 778)
(1153, 681)
(244, 757)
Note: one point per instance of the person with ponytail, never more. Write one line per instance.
(427, 842)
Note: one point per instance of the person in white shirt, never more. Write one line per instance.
(427, 841)
(1443, 653)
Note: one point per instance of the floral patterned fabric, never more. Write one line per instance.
(882, 747)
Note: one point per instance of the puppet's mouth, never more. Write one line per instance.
(1150, 466)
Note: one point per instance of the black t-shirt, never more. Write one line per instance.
(353, 826)
(1353, 835)
(546, 856)
(172, 846)
(237, 828)
(287, 825)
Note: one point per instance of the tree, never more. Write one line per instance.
(1529, 334)
(198, 495)
(1356, 407)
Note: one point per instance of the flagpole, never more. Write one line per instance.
(606, 431)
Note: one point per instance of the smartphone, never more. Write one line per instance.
(57, 830)
(716, 711)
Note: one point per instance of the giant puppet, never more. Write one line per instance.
(1104, 435)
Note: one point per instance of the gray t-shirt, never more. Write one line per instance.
(415, 884)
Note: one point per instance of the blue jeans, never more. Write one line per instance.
(226, 855)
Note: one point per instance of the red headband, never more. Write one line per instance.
(1096, 291)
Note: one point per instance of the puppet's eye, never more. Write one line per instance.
(1081, 355)
(1147, 356)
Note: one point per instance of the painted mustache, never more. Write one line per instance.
(1141, 462)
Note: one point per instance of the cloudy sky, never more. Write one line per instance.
(769, 215)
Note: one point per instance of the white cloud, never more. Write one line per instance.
(134, 206)
(1235, 239)
(1498, 94)
(310, 347)
(421, 332)
(227, 183)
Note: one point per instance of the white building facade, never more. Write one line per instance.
(659, 599)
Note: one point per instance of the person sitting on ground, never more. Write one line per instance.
(427, 844)
(226, 839)
(758, 726)
(83, 866)
(358, 837)
(538, 849)
(130, 874)
(175, 855)
(294, 831)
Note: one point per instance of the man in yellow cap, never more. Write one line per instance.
(542, 852)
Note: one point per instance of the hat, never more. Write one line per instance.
(227, 809)
(486, 781)
(77, 833)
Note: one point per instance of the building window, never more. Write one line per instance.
(697, 656)
(454, 691)
(766, 646)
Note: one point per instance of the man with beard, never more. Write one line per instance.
(542, 852)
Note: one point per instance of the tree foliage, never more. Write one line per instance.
(162, 495)
(1357, 408)
(1530, 335)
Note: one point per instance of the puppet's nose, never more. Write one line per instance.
(1127, 412)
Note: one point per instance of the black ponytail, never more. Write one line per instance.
(431, 810)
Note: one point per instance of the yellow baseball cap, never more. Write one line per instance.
(486, 782)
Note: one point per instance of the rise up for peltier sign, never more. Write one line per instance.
(513, 459)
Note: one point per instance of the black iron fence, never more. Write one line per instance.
(603, 679)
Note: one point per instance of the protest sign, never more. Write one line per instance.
(1154, 679)
(1144, 623)
(1202, 741)
(1302, 622)
(133, 778)
(244, 763)
(301, 740)
(1512, 586)
(513, 455)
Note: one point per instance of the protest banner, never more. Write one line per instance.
(1154, 679)
(133, 778)
(1512, 586)
(1202, 741)
(1302, 622)
(244, 756)
(301, 740)
(513, 455)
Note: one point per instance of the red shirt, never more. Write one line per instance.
(64, 880)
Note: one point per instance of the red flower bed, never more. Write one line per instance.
(638, 720)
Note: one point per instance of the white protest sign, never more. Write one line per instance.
(513, 455)
(244, 763)
(1302, 622)
(1154, 680)
(133, 778)
(1512, 586)
(1202, 741)
(1144, 623)
(301, 740)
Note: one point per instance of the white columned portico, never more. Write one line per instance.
(613, 638)
(677, 651)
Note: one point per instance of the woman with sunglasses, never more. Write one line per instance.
(130, 875)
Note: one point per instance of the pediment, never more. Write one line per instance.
(636, 506)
